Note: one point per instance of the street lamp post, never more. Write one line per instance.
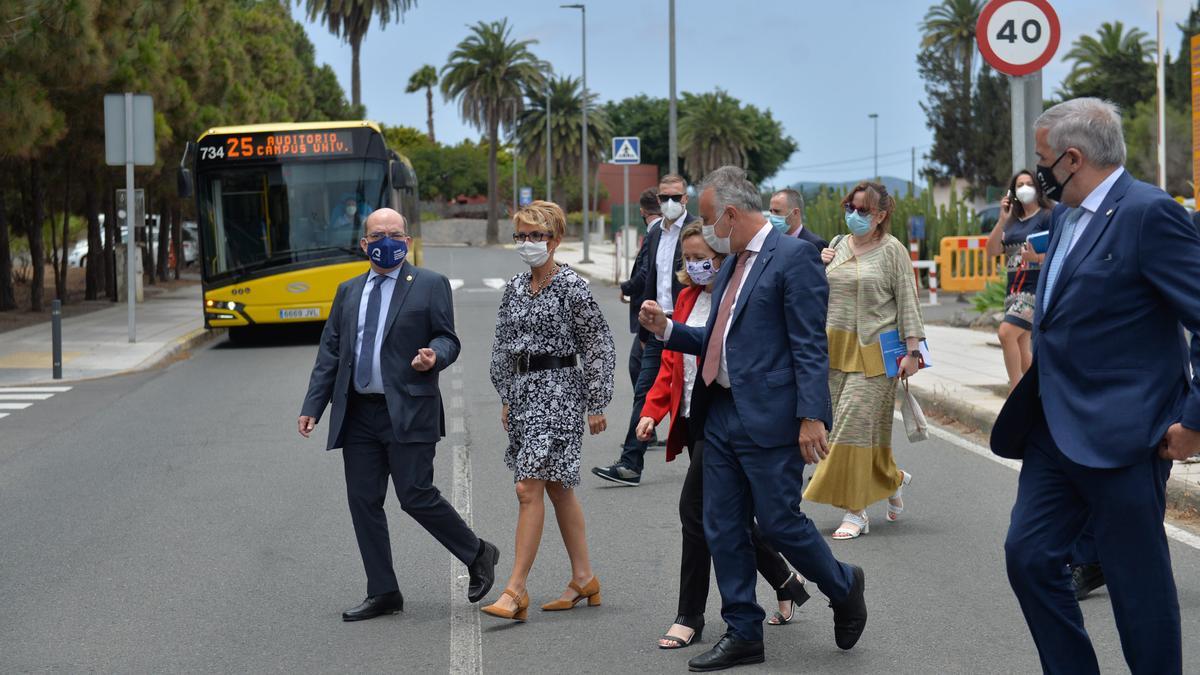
(875, 118)
(512, 141)
(584, 136)
(548, 155)
(672, 147)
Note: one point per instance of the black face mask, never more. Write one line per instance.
(1049, 184)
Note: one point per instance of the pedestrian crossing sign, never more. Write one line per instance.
(626, 150)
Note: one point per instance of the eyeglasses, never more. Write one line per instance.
(663, 198)
(535, 237)
(396, 236)
(864, 211)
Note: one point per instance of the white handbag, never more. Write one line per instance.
(914, 418)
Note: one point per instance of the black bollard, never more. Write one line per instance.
(56, 337)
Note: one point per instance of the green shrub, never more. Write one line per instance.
(991, 298)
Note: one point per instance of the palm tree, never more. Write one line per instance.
(713, 131)
(425, 78)
(487, 72)
(950, 26)
(1114, 63)
(566, 119)
(349, 20)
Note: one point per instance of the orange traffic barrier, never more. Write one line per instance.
(965, 266)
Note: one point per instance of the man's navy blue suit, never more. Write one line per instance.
(1109, 376)
(778, 366)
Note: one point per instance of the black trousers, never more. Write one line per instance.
(696, 561)
(371, 454)
(633, 451)
(635, 360)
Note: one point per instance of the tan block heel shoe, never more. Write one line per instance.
(521, 613)
(590, 592)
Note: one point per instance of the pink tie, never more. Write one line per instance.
(712, 359)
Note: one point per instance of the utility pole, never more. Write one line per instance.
(672, 140)
(549, 164)
(875, 118)
(913, 189)
(587, 259)
(1162, 108)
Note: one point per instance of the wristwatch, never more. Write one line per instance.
(916, 354)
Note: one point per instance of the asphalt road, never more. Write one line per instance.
(174, 521)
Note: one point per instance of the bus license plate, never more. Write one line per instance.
(308, 313)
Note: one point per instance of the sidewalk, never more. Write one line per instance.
(967, 381)
(97, 344)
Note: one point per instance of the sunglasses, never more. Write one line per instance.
(663, 199)
(535, 237)
(864, 211)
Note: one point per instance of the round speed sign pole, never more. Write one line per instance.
(1018, 38)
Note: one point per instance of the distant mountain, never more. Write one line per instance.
(896, 186)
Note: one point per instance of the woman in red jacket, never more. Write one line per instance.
(671, 393)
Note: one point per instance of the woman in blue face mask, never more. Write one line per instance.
(671, 394)
(871, 291)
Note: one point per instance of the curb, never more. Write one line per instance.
(1181, 495)
(186, 343)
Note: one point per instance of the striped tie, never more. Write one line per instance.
(1060, 253)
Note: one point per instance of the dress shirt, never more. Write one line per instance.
(752, 250)
(796, 234)
(1092, 203)
(697, 318)
(388, 285)
(665, 260)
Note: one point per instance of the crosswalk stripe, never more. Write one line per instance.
(456, 284)
(3, 415)
(494, 283)
(14, 406)
(24, 397)
(34, 390)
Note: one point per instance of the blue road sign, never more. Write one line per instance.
(526, 196)
(626, 150)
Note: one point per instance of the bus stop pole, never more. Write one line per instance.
(56, 338)
(130, 215)
(625, 222)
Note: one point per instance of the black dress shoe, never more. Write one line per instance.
(1086, 578)
(727, 653)
(376, 605)
(483, 571)
(850, 615)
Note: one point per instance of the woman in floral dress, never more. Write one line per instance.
(552, 364)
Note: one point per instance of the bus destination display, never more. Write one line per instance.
(278, 145)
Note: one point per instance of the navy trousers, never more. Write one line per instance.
(1056, 500)
(371, 455)
(633, 452)
(741, 481)
(635, 361)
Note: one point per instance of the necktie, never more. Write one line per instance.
(1060, 253)
(712, 358)
(366, 352)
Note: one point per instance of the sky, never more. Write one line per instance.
(820, 66)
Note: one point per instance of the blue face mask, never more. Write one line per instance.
(779, 223)
(387, 253)
(701, 271)
(858, 223)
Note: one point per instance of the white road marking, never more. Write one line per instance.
(24, 397)
(482, 290)
(456, 284)
(466, 643)
(14, 406)
(495, 284)
(3, 415)
(457, 426)
(34, 390)
(456, 401)
(1178, 534)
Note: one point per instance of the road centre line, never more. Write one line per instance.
(1178, 534)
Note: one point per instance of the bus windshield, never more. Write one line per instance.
(267, 216)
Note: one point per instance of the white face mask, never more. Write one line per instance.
(1027, 194)
(672, 210)
(718, 244)
(351, 210)
(535, 254)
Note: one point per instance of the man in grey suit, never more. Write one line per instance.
(388, 335)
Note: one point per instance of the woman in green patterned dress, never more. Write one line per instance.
(871, 291)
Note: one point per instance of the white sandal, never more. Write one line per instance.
(860, 521)
(894, 511)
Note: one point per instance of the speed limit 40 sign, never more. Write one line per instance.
(1018, 37)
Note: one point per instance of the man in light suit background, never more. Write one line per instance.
(1108, 401)
(388, 335)
(762, 396)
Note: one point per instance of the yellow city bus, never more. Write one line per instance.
(280, 211)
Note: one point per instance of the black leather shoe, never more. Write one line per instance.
(483, 571)
(727, 653)
(1086, 578)
(376, 605)
(850, 615)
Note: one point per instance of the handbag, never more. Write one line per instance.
(914, 418)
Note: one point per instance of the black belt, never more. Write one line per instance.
(526, 363)
(374, 398)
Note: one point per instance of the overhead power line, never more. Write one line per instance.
(868, 158)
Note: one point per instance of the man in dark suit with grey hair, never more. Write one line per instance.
(388, 335)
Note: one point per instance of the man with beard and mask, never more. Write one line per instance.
(787, 216)
(1108, 401)
(664, 260)
(389, 333)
